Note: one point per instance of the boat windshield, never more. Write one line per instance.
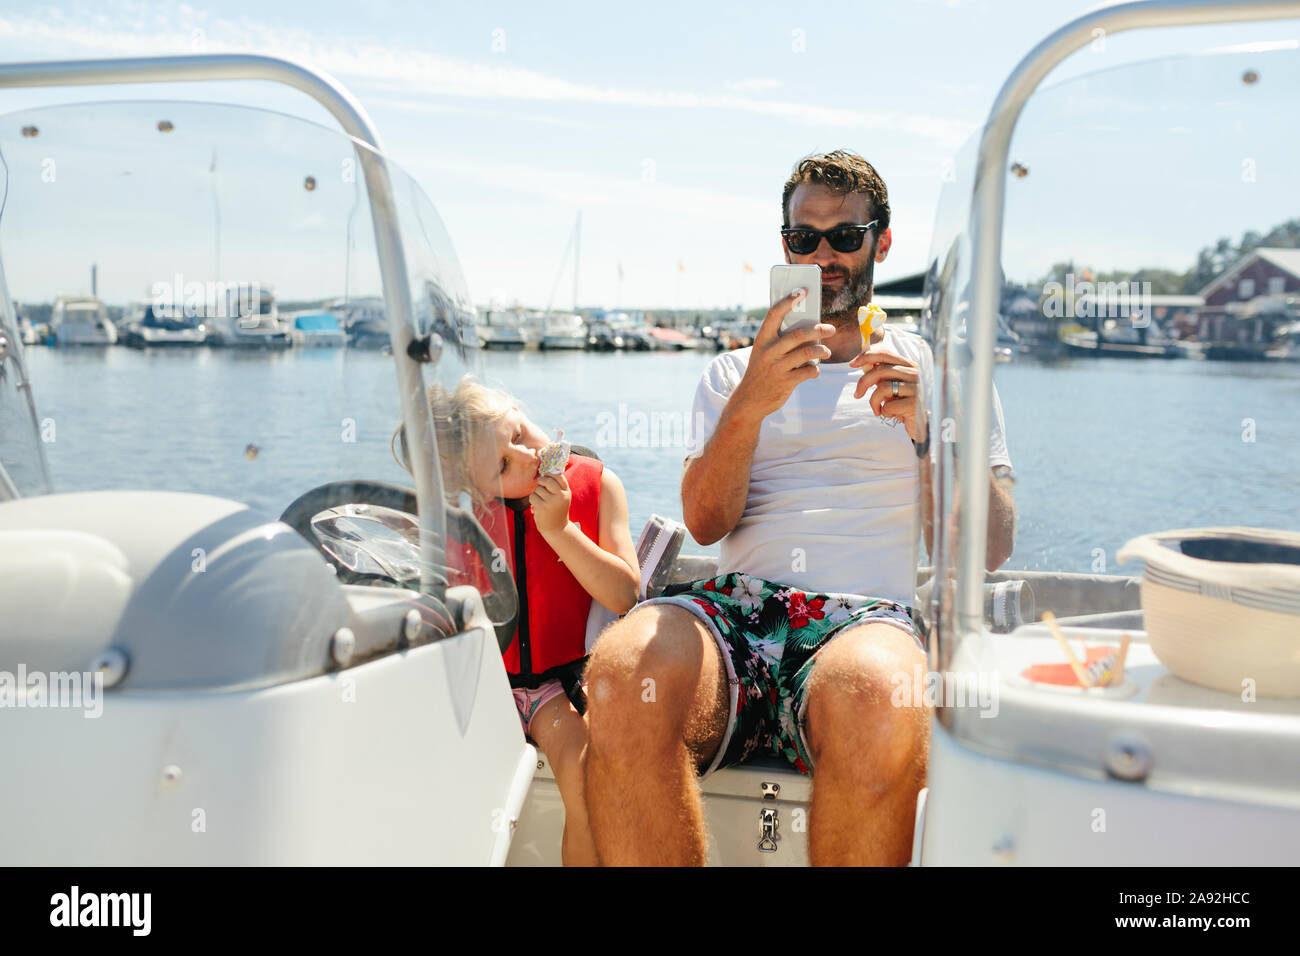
(1149, 273)
(215, 212)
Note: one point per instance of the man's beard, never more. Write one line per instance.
(854, 292)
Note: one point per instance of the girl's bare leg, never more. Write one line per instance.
(561, 735)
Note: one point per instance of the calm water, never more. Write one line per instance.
(1103, 449)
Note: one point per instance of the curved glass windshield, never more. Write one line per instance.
(1147, 351)
(203, 293)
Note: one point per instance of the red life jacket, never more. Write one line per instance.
(553, 606)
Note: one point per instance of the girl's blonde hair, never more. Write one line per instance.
(463, 421)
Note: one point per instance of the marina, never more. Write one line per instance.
(102, 403)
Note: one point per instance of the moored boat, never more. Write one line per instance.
(316, 330)
(502, 329)
(154, 326)
(81, 320)
(247, 318)
(563, 330)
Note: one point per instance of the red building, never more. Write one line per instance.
(1248, 307)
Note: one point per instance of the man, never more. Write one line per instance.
(794, 647)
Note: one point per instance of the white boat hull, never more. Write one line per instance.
(983, 811)
(312, 772)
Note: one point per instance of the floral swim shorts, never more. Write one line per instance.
(770, 636)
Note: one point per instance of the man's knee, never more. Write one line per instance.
(643, 674)
(854, 710)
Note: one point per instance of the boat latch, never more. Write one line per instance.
(770, 790)
(767, 835)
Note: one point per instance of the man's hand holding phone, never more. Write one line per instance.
(780, 362)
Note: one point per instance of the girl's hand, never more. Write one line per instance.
(550, 501)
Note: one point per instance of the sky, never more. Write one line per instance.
(670, 127)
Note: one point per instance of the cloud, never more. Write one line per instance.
(755, 84)
(417, 75)
(578, 188)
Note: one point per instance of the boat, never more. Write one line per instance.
(27, 331)
(632, 332)
(81, 320)
(502, 329)
(1086, 343)
(602, 338)
(674, 340)
(1287, 343)
(246, 317)
(531, 326)
(563, 330)
(363, 320)
(1129, 769)
(153, 326)
(316, 330)
(253, 672)
(361, 679)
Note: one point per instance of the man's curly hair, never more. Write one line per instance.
(844, 173)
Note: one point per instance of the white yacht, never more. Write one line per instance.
(502, 329)
(563, 330)
(531, 326)
(247, 318)
(81, 320)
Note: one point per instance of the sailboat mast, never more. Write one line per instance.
(577, 258)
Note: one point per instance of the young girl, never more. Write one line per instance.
(569, 543)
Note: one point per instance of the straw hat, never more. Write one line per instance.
(1222, 606)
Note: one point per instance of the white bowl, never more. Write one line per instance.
(1222, 606)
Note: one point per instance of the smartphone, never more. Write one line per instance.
(807, 309)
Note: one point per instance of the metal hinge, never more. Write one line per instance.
(767, 835)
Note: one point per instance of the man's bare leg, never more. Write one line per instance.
(657, 711)
(869, 755)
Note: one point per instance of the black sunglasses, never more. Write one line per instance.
(803, 241)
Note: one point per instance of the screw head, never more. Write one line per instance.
(412, 624)
(342, 646)
(1129, 757)
(112, 663)
(171, 775)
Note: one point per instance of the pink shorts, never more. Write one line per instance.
(529, 702)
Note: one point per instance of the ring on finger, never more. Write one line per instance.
(894, 388)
